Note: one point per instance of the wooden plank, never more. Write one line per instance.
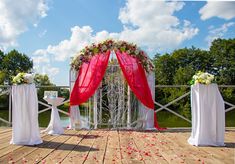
(10, 148)
(81, 151)
(129, 151)
(202, 154)
(148, 148)
(5, 129)
(5, 142)
(163, 148)
(230, 136)
(100, 144)
(19, 153)
(60, 153)
(113, 152)
(7, 134)
(46, 148)
(180, 149)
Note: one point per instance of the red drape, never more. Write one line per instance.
(136, 78)
(89, 78)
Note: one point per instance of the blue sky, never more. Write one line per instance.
(51, 32)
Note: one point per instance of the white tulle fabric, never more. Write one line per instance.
(208, 116)
(25, 128)
(55, 127)
(76, 120)
(146, 114)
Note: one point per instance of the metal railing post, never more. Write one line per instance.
(10, 107)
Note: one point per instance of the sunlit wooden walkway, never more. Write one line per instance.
(107, 146)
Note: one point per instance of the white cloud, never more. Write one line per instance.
(221, 9)
(219, 32)
(80, 37)
(153, 25)
(40, 59)
(46, 68)
(150, 24)
(15, 18)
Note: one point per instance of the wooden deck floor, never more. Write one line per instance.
(107, 146)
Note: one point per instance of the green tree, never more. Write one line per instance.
(223, 52)
(42, 79)
(15, 62)
(165, 67)
(1, 59)
(194, 58)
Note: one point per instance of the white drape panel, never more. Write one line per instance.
(76, 120)
(25, 128)
(55, 127)
(208, 116)
(146, 114)
(95, 112)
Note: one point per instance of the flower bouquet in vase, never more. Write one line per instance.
(202, 78)
(23, 78)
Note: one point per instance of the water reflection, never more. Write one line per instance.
(65, 121)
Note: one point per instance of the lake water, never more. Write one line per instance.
(65, 121)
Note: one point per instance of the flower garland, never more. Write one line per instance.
(89, 51)
(23, 78)
(202, 78)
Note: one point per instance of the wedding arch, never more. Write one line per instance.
(96, 75)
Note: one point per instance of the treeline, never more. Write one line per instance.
(178, 68)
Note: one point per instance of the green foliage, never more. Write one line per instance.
(223, 52)
(183, 75)
(165, 69)
(12, 63)
(42, 80)
(2, 77)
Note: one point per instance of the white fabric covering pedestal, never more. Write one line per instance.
(55, 127)
(208, 116)
(25, 128)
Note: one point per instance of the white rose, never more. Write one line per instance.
(28, 78)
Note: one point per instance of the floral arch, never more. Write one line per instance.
(91, 64)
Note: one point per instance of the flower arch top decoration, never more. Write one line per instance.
(110, 45)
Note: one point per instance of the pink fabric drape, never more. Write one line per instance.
(89, 78)
(136, 79)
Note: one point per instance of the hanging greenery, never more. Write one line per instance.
(89, 51)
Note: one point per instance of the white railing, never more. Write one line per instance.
(48, 107)
(165, 107)
(6, 90)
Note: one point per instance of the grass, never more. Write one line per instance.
(166, 119)
(4, 115)
(230, 118)
(45, 117)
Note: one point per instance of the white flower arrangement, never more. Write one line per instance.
(23, 78)
(202, 78)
